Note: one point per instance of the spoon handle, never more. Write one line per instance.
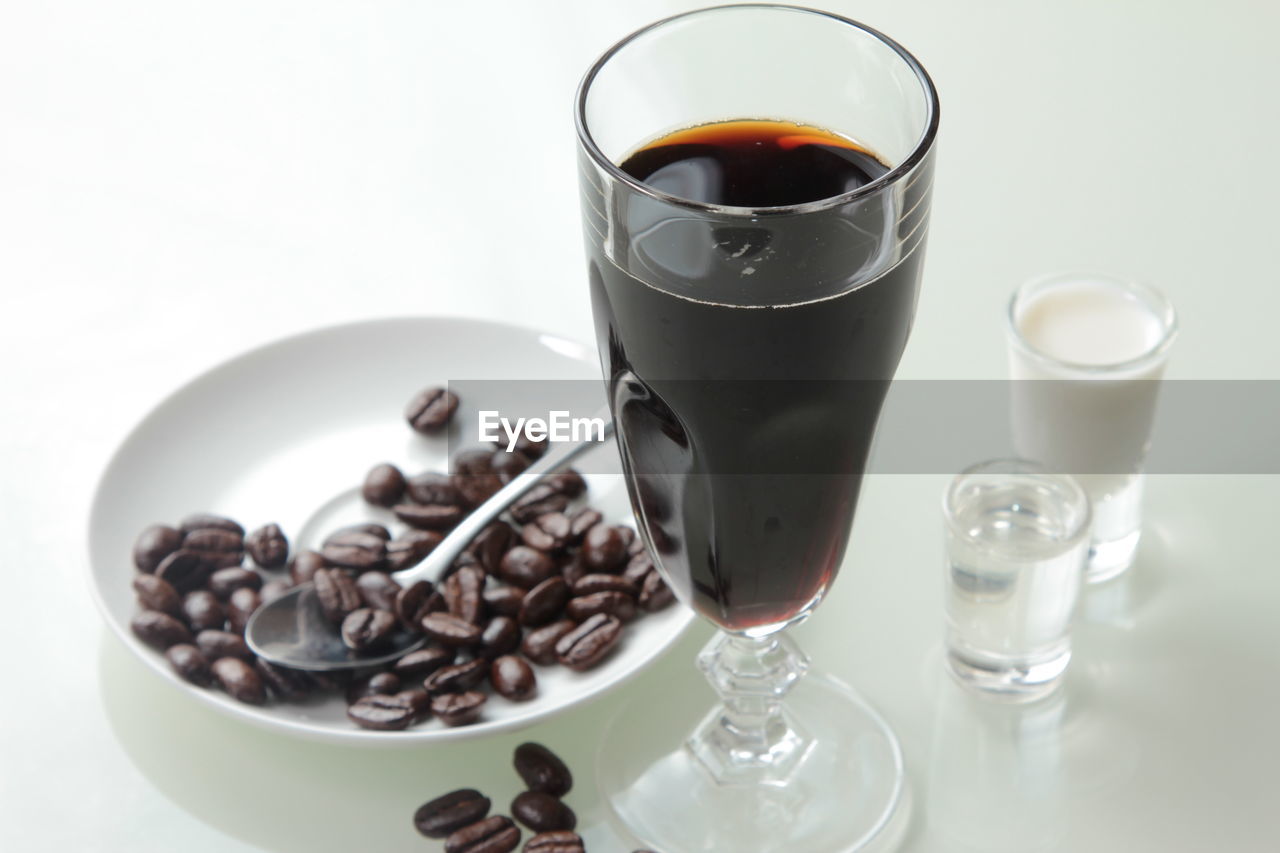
(558, 455)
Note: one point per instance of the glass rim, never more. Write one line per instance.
(896, 173)
(1012, 467)
(1153, 298)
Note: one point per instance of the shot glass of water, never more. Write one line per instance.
(1017, 541)
(1102, 343)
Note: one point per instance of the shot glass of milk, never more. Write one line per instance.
(1086, 353)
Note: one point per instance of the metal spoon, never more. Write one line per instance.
(292, 630)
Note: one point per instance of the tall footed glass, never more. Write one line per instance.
(755, 195)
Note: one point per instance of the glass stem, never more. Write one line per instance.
(749, 737)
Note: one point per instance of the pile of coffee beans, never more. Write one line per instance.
(462, 817)
(545, 585)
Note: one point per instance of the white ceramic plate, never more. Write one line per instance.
(286, 433)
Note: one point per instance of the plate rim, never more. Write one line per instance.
(261, 716)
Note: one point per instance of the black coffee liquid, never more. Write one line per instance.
(745, 416)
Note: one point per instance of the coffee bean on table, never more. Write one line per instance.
(542, 812)
(539, 500)
(637, 568)
(655, 594)
(223, 644)
(501, 636)
(183, 570)
(508, 465)
(411, 549)
(628, 537)
(386, 713)
(588, 584)
(451, 812)
(159, 630)
(430, 409)
(539, 645)
(543, 603)
(450, 630)
(458, 709)
(422, 662)
(190, 664)
(355, 550)
(457, 677)
(433, 488)
(582, 521)
(556, 841)
(267, 546)
(154, 544)
(589, 643)
(283, 683)
(526, 567)
(568, 482)
(240, 680)
(337, 594)
(273, 589)
(241, 606)
(378, 684)
(504, 600)
(491, 543)
(157, 594)
(416, 601)
(378, 590)
(618, 604)
(542, 770)
(203, 520)
(384, 485)
(371, 528)
(429, 516)
(223, 582)
(203, 610)
(304, 565)
(473, 476)
(496, 834)
(463, 594)
(574, 568)
(603, 548)
(513, 678)
(365, 629)
(547, 532)
(213, 539)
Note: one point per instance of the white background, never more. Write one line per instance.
(181, 181)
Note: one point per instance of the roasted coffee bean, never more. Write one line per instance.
(589, 643)
(365, 629)
(450, 812)
(458, 709)
(422, 662)
(628, 537)
(159, 630)
(574, 568)
(465, 559)
(433, 488)
(582, 521)
(655, 594)
(542, 812)
(550, 532)
(450, 630)
(490, 544)
(525, 567)
(588, 584)
(304, 565)
(568, 482)
(542, 770)
(457, 677)
(412, 548)
(355, 550)
(637, 544)
(638, 567)
(378, 590)
(419, 700)
(337, 594)
(473, 476)
(267, 546)
(531, 448)
(504, 600)
(540, 500)
(369, 528)
(203, 611)
(386, 713)
(240, 606)
(157, 594)
(273, 589)
(618, 604)
(205, 521)
(240, 680)
(154, 544)
(213, 539)
(222, 559)
(416, 601)
(513, 678)
(190, 664)
(429, 516)
(463, 593)
(223, 644)
(539, 645)
(223, 582)
(283, 683)
(431, 409)
(557, 841)
(378, 684)
(508, 465)
(183, 570)
(501, 635)
(384, 485)
(495, 834)
(603, 548)
(543, 603)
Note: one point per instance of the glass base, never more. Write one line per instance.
(1023, 680)
(1112, 558)
(843, 794)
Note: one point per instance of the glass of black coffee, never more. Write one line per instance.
(755, 196)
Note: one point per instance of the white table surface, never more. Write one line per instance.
(181, 181)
